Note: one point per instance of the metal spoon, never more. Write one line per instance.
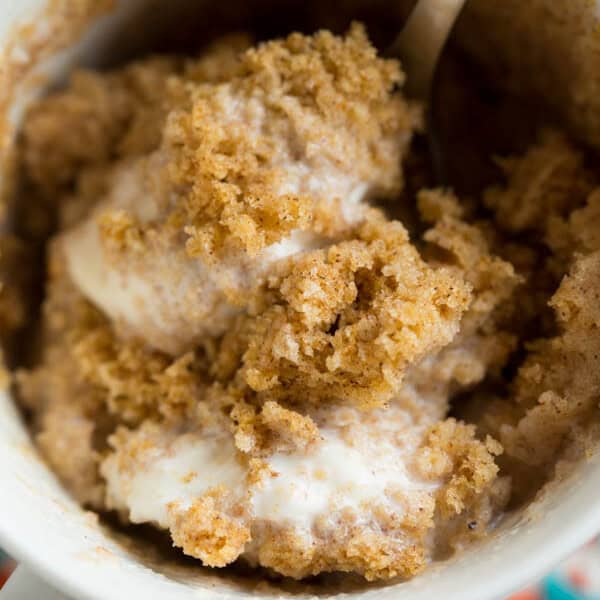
(419, 47)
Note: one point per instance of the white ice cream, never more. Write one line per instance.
(335, 477)
(181, 470)
(343, 472)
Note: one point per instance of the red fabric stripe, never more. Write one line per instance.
(6, 570)
(526, 595)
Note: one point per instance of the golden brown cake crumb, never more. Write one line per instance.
(235, 199)
(451, 450)
(207, 532)
(95, 119)
(556, 386)
(344, 324)
(549, 181)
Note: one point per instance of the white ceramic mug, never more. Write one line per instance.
(50, 534)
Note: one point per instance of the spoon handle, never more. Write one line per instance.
(421, 42)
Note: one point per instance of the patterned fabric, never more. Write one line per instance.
(577, 578)
(6, 568)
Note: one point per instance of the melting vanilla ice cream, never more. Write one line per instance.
(155, 472)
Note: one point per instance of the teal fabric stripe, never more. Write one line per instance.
(556, 588)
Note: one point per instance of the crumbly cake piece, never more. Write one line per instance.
(556, 388)
(333, 325)
(70, 422)
(97, 118)
(541, 192)
(552, 399)
(319, 104)
(549, 181)
(344, 323)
